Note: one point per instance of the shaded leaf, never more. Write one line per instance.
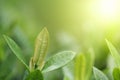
(114, 53)
(41, 47)
(26, 73)
(58, 60)
(16, 50)
(116, 74)
(35, 75)
(99, 75)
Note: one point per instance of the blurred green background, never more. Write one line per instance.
(73, 25)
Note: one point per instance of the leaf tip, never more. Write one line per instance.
(45, 30)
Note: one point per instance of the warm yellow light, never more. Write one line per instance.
(105, 10)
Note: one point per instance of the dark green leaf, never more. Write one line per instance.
(35, 75)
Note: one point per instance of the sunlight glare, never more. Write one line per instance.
(105, 10)
(108, 8)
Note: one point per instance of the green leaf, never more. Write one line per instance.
(114, 53)
(80, 66)
(41, 48)
(116, 74)
(89, 62)
(99, 75)
(16, 50)
(68, 71)
(35, 75)
(66, 78)
(58, 60)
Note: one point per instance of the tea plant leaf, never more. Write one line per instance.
(89, 62)
(16, 50)
(35, 75)
(114, 53)
(66, 78)
(80, 66)
(31, 64)
(116, 74)
(78, 69)
(58, 60)
(99, 75)
(68, 71)
(41, 48)
(26, 73)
